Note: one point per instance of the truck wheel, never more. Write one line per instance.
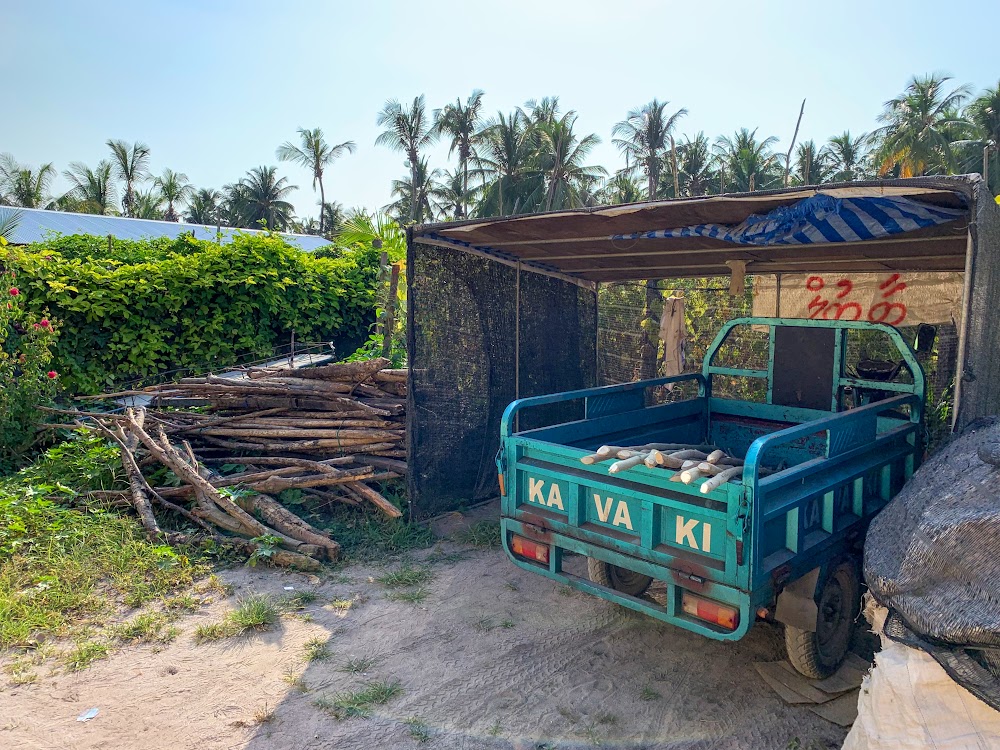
(818, 654)
(619, 579)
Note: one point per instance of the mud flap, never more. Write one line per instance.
(797, 603)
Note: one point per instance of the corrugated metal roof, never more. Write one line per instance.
(36, 225)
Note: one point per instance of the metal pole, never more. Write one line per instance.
(597, 335)
(517, 343)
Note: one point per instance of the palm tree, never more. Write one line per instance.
(452, 198)
(622, 188)
(914, 139)
(9, 221)
(203, 208)
(315, 154)
(983, 113)
(407, 130)
(331, 217)
(131, 164)
(461, 123)
(149, 205)
(811, 166)
(422, 194)
(847, 156)
(361, 230)
(174, 188)
(512, 182)
(259, 199)
(20, 185)
(695, 165)
(749, 164)
(92, 191)
(561, 155)
(643, 136)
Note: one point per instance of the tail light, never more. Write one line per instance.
(528, 549)
(709, 611)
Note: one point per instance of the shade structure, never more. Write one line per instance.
(634, 241)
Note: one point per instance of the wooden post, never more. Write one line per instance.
(390, 312)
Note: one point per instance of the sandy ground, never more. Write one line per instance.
(569, 673)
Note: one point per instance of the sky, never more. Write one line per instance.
(214, 86)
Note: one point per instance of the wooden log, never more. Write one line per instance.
(721, 478)
(343, 435)
(347, 372)
(691, 474)
(391, 376)
(715, 456)
(375, 498)
(627, 463)
(383, 463)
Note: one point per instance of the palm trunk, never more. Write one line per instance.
(413, 190)
(465, 187)
(652, 176)
(322, 205)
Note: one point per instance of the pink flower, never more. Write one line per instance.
(44, 323)
(36, 326)
(53, 374)
(14, 291)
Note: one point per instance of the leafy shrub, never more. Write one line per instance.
(191, 304)
(26, 379)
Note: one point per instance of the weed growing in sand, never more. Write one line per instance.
(316, 649)
(362, 664)
(292, 678)
(149, 627)
(182, 601)
(508, 624)
(405, 576)
(482, 535)
(648, 694)
(84, 654)
(414, 596)
(361, 702)
(495, 729)
(254, 612)
(446, 558)
(484, 624)
(263, 714)
(20, 673)
(418, 729)
(510, 586)
(300, 599)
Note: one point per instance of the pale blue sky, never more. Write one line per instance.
(213, 86)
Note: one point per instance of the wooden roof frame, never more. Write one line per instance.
(576, 245)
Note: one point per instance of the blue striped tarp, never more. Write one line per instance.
(818, 219)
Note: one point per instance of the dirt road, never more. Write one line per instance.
(492, 658)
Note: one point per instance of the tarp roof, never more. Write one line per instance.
(36, 225)
(577, 244)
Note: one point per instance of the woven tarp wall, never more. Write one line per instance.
(980, 387)
(462, 349)
(931, 558)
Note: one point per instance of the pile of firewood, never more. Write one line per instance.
(327, 431)
(689, 462)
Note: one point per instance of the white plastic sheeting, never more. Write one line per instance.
(908, 702)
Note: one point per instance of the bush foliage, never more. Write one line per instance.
(134, 309)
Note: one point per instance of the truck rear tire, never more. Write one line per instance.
(818, 654)
(619, 579)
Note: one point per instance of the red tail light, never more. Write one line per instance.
(528, 549)
(709, 611)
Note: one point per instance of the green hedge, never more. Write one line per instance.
(158, 306)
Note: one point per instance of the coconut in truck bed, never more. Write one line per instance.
(779, 493)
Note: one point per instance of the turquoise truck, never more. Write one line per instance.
(771, 531)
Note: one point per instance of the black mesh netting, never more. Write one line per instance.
(931, 558)
(462, 352)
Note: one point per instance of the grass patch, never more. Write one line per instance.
(446, 558)
(418, 729)
(149, 627)
(361, 702)
(253, 613)
(184, 602)
(316, 649)
(413, 596)
(300, 599)
(263, 714)
(405, 576)
(485, 624)
(648, 694)
(60, 565)
(495, 729)
(84, 654)
(482, 535)
(365, 535)
(295, 680)
(361, 665)
(508, 624)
